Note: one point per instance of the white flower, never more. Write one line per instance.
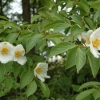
(6, 52)
(95, 43)
(59, 59)
(41, 71)
(19, 53)
(85, 37)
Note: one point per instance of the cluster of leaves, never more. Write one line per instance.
(62, 28)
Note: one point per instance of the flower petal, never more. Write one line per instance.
(22, 60)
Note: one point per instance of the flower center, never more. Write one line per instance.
(96, 42)
(39, 70)
(4, 50)
(17, 53)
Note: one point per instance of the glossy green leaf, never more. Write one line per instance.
(80, 59)
(26, 78)
(94, 64)
(60, 48)
(31, 88)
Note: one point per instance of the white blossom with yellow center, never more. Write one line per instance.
(6, 52)
(41, 71)
(85, 37)
(19, 53)
(95, 43)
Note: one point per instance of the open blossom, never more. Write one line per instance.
(19, 53)
(41, 71)
(6, 52)
(85, 37)
(95, 43)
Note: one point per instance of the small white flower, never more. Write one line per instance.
(6, 52)
(85, 37)
(19, 53)
(95, 43)
(41, 71)
(59, 59)
(54, 58)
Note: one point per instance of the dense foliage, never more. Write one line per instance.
(73, 76)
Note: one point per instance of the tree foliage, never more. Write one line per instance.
(76, 75)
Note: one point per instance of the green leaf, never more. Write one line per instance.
(2, 93)
(2, 70)
(57, 26)
(16, 69)
(84, 94)
(33, 97)
(84, 5)
(75, 87)
(90, 22)
(94, 3)
(70, 4)
(80, 59)
(24, 34)
(60, 48)
(61, 26)
(94, 64)
(8, 83)
(71, 57)
(8, 66)
(31, 88)
(97, 14)
(12, 37)
(56, 35)
(1, 30)
(77, 19)
(26, 78)
(75, 30)
(89, 84)
(4, 18)
(45, 89)
(34, 18)
(96, 94)
(32, 42)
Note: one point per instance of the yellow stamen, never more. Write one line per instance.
(4, 50)
(39, 70)
(17, 53)
(96, 42)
